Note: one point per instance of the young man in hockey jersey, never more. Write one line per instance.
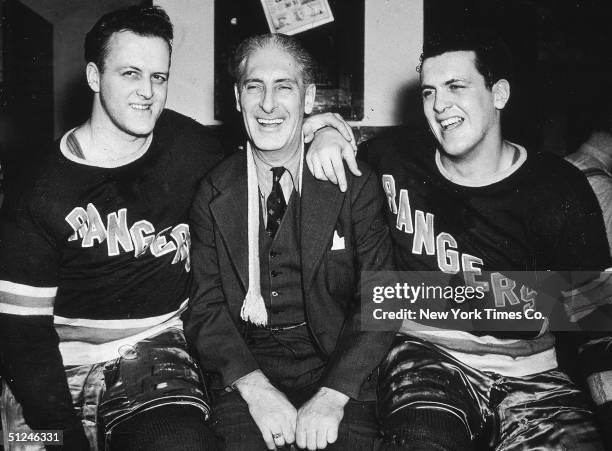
(95, 268)
(94, 263)
(473, 203)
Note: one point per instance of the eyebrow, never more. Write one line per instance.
(286, 80)
(447, 83)
(279, 80)
(426, 87)
(455, 80)
(140, 70)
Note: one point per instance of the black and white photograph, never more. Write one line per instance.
(249, 225)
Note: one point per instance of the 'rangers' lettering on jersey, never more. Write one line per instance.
(89, 226)
(443, 246)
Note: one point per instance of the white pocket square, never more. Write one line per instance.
(338, 242)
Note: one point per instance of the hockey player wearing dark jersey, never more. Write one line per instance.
(473, 203)
(95, 267)
(94, 260)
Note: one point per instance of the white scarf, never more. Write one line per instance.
(253, 307)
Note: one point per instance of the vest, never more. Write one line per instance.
(281, 268)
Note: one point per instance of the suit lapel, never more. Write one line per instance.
(229, 209)
(320, 206)
(320, 203)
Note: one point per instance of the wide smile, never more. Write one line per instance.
(270, 123)
(140, 106)
(450, 123)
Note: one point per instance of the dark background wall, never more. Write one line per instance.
(561, 47)
(562, 56)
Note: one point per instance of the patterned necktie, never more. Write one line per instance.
(275, 204)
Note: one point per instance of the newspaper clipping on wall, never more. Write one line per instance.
(295, 16)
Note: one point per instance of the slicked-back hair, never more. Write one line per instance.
(289, 44)
(492, 56)
(149, 21)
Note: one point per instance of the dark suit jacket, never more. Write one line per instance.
(330, 277)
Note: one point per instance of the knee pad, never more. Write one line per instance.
(415, 377)
(426, 429)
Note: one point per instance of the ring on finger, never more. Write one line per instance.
(277, 435)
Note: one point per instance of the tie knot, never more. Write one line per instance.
(277, 173)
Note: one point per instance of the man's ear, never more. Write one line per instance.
(309, 98)
(93, 76)
(237, 96)
(501, 93)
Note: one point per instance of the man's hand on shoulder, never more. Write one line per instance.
(274, 415)
(314, 123)
(319, 418)
(331, 144)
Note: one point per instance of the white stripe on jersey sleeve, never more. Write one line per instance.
(27, 290)
(25, 300)
(137, 323)
(585, 299)
(10, 309)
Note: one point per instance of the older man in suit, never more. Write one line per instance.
(277, 256)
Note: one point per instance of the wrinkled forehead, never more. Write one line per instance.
(272, 63)
(129, 48)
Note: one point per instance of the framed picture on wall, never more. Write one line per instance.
(337, 46)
